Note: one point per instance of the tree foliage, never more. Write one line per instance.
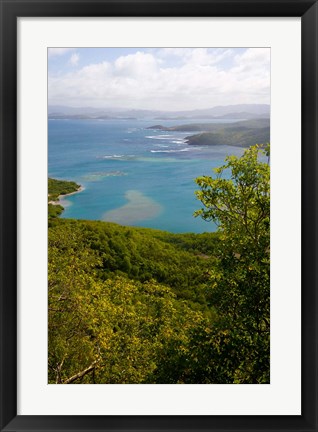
(107, 331)
(240, 204)
(238, 200)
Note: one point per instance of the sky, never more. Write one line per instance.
(166, 79)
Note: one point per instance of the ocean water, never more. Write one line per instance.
(132, 175)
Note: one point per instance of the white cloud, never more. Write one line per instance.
(59, 51)
(136, 65)
(202, 56)
(74, 59)
(141, 80)
(255, 56)
(257, 59)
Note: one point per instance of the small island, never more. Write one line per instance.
(57, 188)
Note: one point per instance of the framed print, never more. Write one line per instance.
(158, 208)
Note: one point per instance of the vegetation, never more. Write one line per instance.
(60, 187)
(54, 210)
(135, 305)
(240, 282)
(214, 127)
(240, 134)
(239, 137)
(55, 189)
(122, 296)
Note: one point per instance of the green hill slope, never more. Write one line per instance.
(239, 137)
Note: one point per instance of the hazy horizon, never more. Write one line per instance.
(260, 108)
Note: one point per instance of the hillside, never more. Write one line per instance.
(244, 137)
(142, 254)
(131, 296)
(239, 134)
(213, 127)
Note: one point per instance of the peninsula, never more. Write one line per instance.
(57, 188)
(239, 134)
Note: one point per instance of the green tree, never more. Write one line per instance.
(237, 199)
(239, 204)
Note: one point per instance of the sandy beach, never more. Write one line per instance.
(62, 196)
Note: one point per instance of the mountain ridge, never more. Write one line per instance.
(240, 111)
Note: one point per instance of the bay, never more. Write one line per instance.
(130, 174)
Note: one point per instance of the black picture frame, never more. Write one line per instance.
(10, 11)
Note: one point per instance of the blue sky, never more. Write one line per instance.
(158, 78)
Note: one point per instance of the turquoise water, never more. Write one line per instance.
(132, 175)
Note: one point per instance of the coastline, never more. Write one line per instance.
(57, 202)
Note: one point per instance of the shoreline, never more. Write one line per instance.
(80, 189)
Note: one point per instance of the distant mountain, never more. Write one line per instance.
(66, 110)
(229, 111)
(257, 109)
(242, 115)
(245, 111)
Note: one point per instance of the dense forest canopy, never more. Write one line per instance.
(135, 305)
